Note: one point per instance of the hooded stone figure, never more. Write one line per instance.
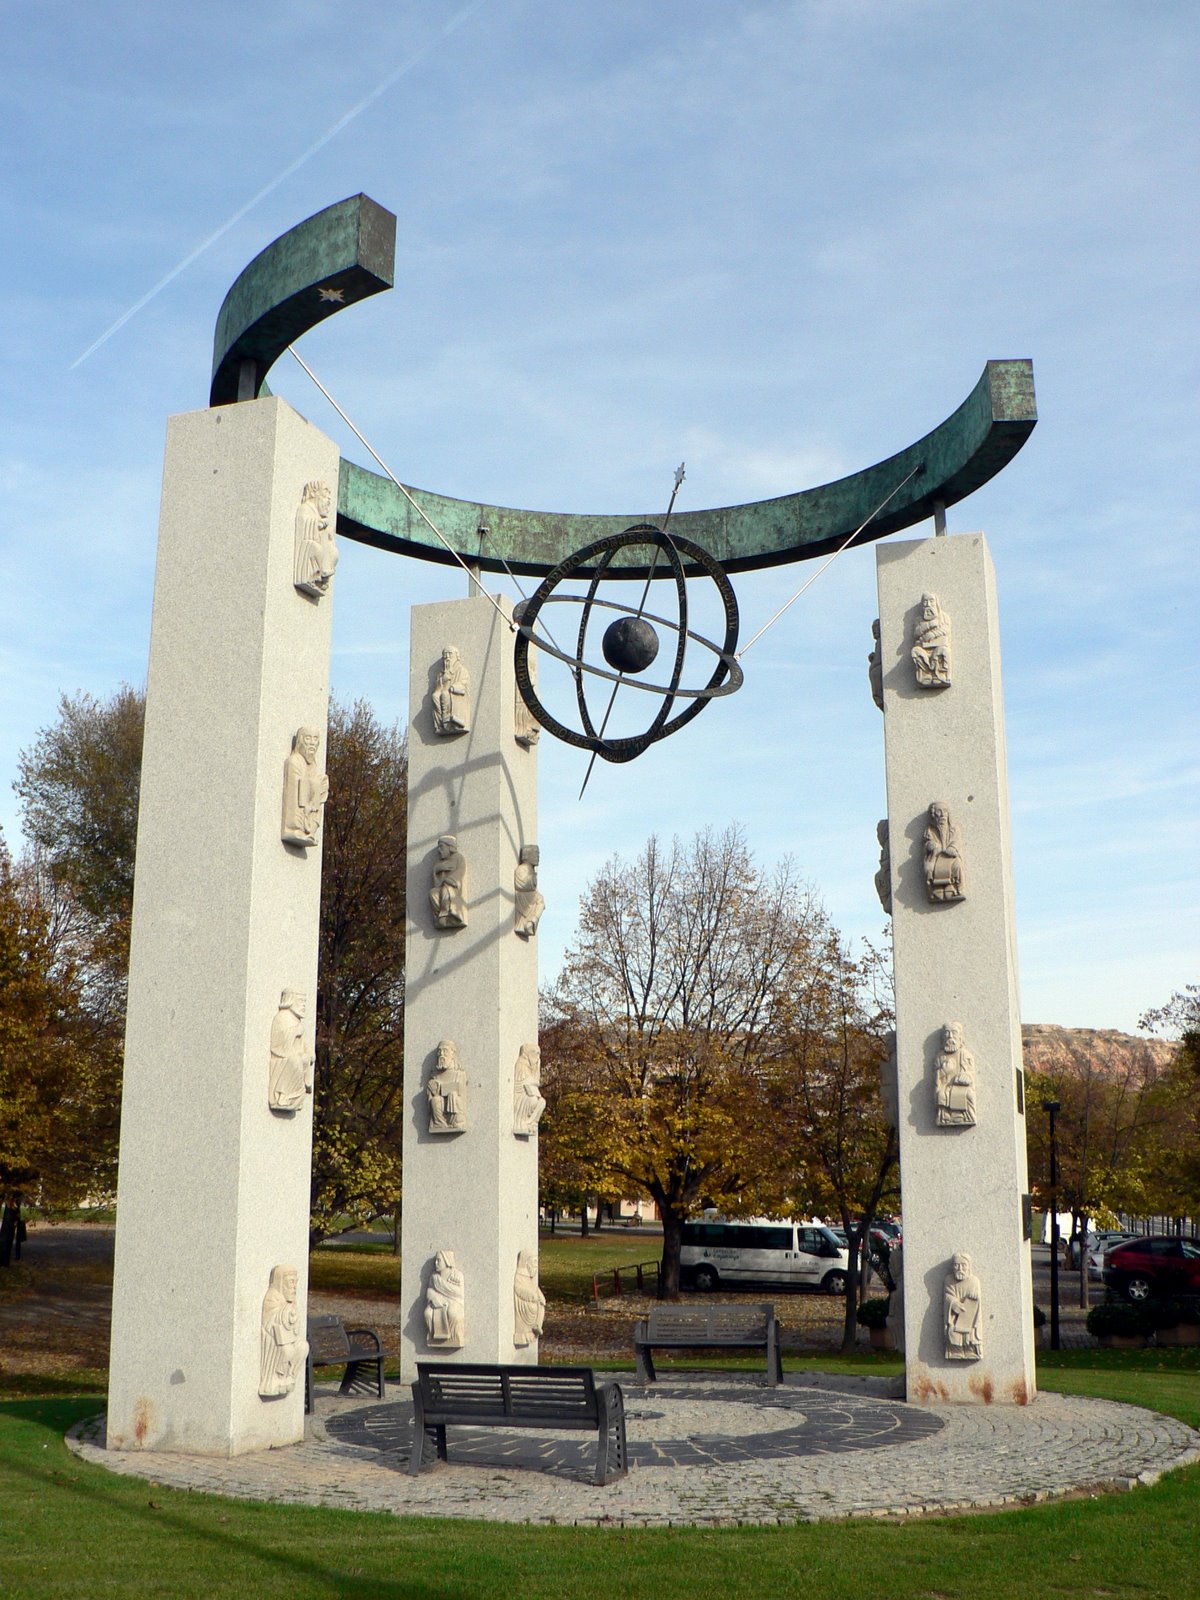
(529, 1303)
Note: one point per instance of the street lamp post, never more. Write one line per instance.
(1053, 1107)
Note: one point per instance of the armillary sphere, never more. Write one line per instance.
(630, 643)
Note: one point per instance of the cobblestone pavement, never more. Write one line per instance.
(702, 1451)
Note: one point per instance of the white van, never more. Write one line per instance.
(787, 1255)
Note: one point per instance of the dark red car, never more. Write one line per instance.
(1153, 1268)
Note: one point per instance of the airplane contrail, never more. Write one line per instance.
(331, 132)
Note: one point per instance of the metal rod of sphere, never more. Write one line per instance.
(1052, 1108)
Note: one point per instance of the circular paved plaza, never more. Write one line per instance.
(702, 1450)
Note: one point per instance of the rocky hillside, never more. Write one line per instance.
(1053, 1051)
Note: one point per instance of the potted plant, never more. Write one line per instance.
(1120, 1327)
(872, 1315)
(1177, 1321)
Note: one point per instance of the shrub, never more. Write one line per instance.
(1180, 1310)
(873, 1313)
(1128, 1322)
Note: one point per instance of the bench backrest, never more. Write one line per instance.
(327, 1339)
(474, 1389)
(725, 1323)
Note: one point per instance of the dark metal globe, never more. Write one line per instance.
(630, 644)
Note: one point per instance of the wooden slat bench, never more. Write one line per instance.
(671, 1327)
(481, 1395)
(331, 1344)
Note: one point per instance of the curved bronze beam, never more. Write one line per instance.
(347, 252)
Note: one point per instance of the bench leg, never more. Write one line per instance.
(612, 1456)
(644, 1357)
(774, 1358)
(350, 1377)
(423, 1437)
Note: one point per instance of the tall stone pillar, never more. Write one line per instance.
(968, 1324)
(214, 1184)
(470, 1179)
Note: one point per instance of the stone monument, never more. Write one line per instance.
(961, 1123)
(472, 820)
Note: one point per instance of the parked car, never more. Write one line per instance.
(787, 1255)
(1104, 1243)
(1153, 1268)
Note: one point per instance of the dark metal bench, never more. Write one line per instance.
(478, 1395)
(331, 1344)
(671, 1327)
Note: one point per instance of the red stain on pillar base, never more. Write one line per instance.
(983, 1388)
(1020, 1392)
(141, 1421)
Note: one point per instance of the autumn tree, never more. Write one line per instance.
(358, 1113)
(79, 786)
(831, 1039)
(1176, 1190)
(660, 1028)
(58, 1107)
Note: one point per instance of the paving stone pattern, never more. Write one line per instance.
(701, 1453)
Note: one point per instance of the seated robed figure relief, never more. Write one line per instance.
(943, 857)
(954, 1092)
(445, 1305)
(931, 645)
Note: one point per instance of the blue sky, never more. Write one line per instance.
(775, 240)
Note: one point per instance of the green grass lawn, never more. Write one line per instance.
(565, 1263)
(69, 1529)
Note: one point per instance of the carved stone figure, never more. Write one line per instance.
(528, 1103)
(452, 695)
(943, 856)
(447, 1091)
(529, 1303)
(530, 904)
(527, 730)
(931, 645)
(445, 1305)
(448, 896)
(291, 1076)
(305, 790)
(316, 553)
(282, 1345)
(875, 667)
(954, 1091)
(964, 1311)
(883, 878)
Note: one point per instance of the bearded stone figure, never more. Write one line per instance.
(316, 554)
(954, 1092)
(931, 645)
(282, 1346)
(530, 904)
(305, 790)
(452, 695)
(447, 1091)
(963, 1307)
(942, 850)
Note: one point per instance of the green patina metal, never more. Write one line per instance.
(350, 246)
(338, 257)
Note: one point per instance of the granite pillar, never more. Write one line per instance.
(214, 1185)
(470, 1184)
(962, 1143)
